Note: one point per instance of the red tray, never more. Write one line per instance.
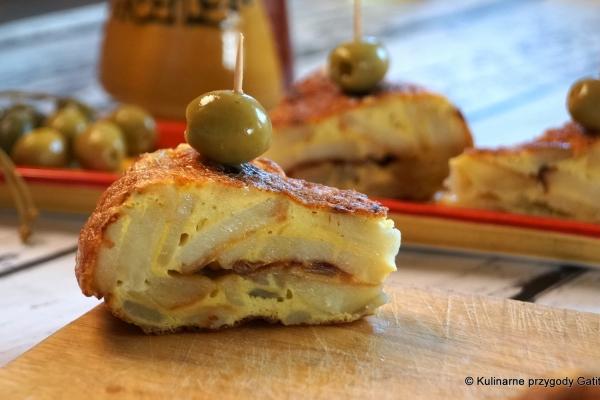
(493, 217)
(70, 186)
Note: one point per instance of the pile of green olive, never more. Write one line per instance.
(583, 103)
(71, 136)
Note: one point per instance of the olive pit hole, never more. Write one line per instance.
(183, 239)
(346, 69)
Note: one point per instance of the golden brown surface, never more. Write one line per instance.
(570, 136)
(184, 165)
(317, 97)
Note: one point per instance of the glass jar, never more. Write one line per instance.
(161, 54)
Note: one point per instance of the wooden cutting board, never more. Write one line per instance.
(424, 344)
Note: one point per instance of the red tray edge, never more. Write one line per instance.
(493, 217)
(171, 133)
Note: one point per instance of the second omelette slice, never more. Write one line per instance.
(393, 142)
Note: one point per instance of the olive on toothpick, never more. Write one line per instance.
(358, 66)
(583, 103)
(228, 126)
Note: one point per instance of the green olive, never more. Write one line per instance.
(69, 121)
(100, 147)
(583, 103)
(15, 122)
(228, 127)
(88, 112)
(359, 65)
(29, 112)
(42, 147)
(138, 127)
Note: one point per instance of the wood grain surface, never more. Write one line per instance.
(497, 239)
(37, 302)
(424, 343)
(53, 235)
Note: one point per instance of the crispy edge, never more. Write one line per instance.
(570, 136)
(317, 97)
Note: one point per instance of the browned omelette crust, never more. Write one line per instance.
(571, 137)
(317, 97)
(183, 166)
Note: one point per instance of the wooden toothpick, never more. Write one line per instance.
(357, 21)
(238, 77)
